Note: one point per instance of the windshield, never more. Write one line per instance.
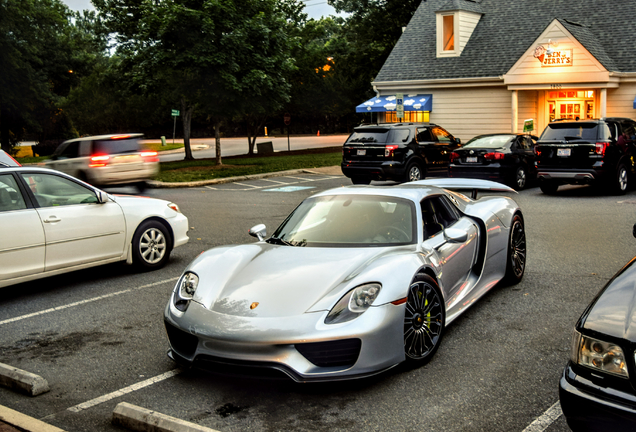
(349, 221)
(369, 135)
(490, 141)
(568, 131)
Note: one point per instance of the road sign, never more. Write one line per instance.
(399, 105)
(175, 113)
(287, 119)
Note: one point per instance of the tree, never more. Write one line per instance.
(206, 55)
(35, 54)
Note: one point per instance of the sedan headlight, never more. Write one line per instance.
(597, 354)
(354, 303)
(184, 290)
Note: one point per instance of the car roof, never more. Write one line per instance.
(405, 191)
(107, 137)
(392, 125)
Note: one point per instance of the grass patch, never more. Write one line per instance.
(205, 169)
(156, 146)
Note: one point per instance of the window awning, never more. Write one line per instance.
(634, 103)
(412, 102)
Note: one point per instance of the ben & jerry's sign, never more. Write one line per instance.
(553, 57)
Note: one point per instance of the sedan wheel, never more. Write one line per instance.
(423, 320)
(516, 262)
(151, 245)
(520, 179)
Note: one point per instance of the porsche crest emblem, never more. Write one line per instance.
(253, 305)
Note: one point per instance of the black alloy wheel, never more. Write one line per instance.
(521, 178)
(516, 261)
(414, 172)
(548, 187)
(151, 245)
(424, 318)
(360, 180)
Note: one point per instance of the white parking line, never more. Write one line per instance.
(252, 187)
(94, 299)
(243, 184)
(125, 390)
(546, 419)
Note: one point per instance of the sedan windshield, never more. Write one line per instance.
(490, 141)
(349, 221)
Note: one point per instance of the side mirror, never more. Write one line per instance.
(259, 231)
(102, 197)
(458, 141)
(455, 235)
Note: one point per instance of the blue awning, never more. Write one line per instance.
(412, 102)
(634, 103)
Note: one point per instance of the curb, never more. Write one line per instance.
(24, 422)
(144, 420)
(159, 185)
(23, 381)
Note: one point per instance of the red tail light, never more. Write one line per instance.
(494, 156)
(601, 147)
(536, 150)
(389, 149)
(150, 156)
(99, 161)
(120, 137)
(454, 156)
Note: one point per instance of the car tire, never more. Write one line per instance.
(424, 318)
(360, 180)
(520, 180)
(548, 187)
(414, 172)
(621, 180)
(516, 251)
(151, 245)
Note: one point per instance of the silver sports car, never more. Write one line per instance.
(355, 281)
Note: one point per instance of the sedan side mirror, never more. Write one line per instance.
(458, 141)
(102, 197)
(259, 231)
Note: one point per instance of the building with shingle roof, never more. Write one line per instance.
(485, 66)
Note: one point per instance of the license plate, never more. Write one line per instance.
(362, 152)
(564, 152)
(471, 159)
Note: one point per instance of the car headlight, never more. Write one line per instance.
(597, 354)
(353, 303)
(184, 290)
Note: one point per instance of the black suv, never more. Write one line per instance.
(599, 152)
(397, 151)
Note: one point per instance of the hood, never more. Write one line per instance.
(283, 280)
(614, 311)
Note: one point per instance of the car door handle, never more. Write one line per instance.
(52, 219)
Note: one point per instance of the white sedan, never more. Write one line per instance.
(52, 223)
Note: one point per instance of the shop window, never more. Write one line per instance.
(409, 117)
(449, 33)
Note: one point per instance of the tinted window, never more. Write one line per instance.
(10, 196)
(436, 216)
(424, 135)
(400, 135)
(442, 136)
(70, 151)
(559, 131)
(51, 190)
(490, 141)
(116, 146)
(350, 220)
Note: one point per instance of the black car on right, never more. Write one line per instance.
(503, 157)
(600, 152)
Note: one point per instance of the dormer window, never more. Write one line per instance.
(448, 41)
(447, 29)
(456, 21)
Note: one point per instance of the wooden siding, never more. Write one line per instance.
(467, 23)
(467, 112)
(620, 101)
(527, 109)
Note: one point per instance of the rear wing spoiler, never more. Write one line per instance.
(473, 185)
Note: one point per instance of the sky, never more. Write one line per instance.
(314, 9)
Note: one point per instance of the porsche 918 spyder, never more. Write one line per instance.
(355, 281)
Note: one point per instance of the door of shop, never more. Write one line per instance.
(569, 110)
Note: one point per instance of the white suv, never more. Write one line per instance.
(106, 160)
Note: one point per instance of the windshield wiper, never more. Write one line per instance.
(278, 240)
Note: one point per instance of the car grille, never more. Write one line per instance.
(183, 343)
(331, 353)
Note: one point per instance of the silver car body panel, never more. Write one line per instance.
(296, 287)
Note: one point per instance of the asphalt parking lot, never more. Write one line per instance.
(97, 335)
